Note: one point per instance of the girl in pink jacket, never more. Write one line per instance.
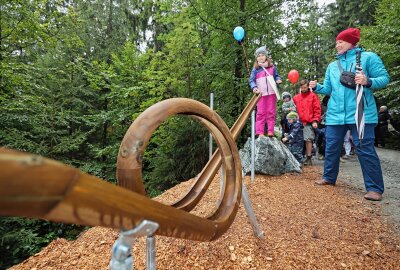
(264, 79)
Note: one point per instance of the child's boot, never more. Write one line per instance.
(308, 161)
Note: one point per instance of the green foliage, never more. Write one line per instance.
(384, 39)
(181, 144)
(21, 238)
(309, 44)
(74, 75)
(345, 13)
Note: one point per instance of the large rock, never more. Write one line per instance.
(271, 156)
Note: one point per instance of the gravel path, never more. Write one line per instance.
(350, 173)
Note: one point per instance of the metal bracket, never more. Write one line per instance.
(122, 258)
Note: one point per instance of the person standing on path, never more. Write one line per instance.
(381, 129)
(309, 110)
(342, 108)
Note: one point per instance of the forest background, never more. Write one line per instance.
(74, 74)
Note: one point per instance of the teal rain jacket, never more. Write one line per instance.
(342, 104)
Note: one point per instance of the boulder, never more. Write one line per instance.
(271, 156)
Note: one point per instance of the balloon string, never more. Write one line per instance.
(245, 55)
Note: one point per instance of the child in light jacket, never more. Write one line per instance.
(264, 79)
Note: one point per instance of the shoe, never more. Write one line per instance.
(373, 196)
(323, 182)
(345, 157)
(308, 161)
(342, 160)
(321, 157)
(270, 134)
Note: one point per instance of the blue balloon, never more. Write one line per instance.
(238, 33)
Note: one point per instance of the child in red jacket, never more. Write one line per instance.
(309, 110)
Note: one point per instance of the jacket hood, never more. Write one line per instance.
(286, 94)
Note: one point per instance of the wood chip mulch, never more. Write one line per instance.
(305, 226)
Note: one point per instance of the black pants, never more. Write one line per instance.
(380, 135)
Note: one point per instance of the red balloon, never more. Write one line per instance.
(293, 76)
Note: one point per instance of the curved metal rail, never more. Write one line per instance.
(38, 187)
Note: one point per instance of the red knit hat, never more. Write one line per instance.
(350, 35)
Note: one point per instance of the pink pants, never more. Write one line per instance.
(266, 113)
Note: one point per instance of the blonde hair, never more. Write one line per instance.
(269, 61)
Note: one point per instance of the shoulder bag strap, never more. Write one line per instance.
(266, 71)
(340, 66)
(358, 61)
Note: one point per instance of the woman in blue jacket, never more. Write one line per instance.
(342, 105)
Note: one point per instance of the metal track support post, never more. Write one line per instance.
(151, 253)
(122, 258)
(251, 215)
(253, 120)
